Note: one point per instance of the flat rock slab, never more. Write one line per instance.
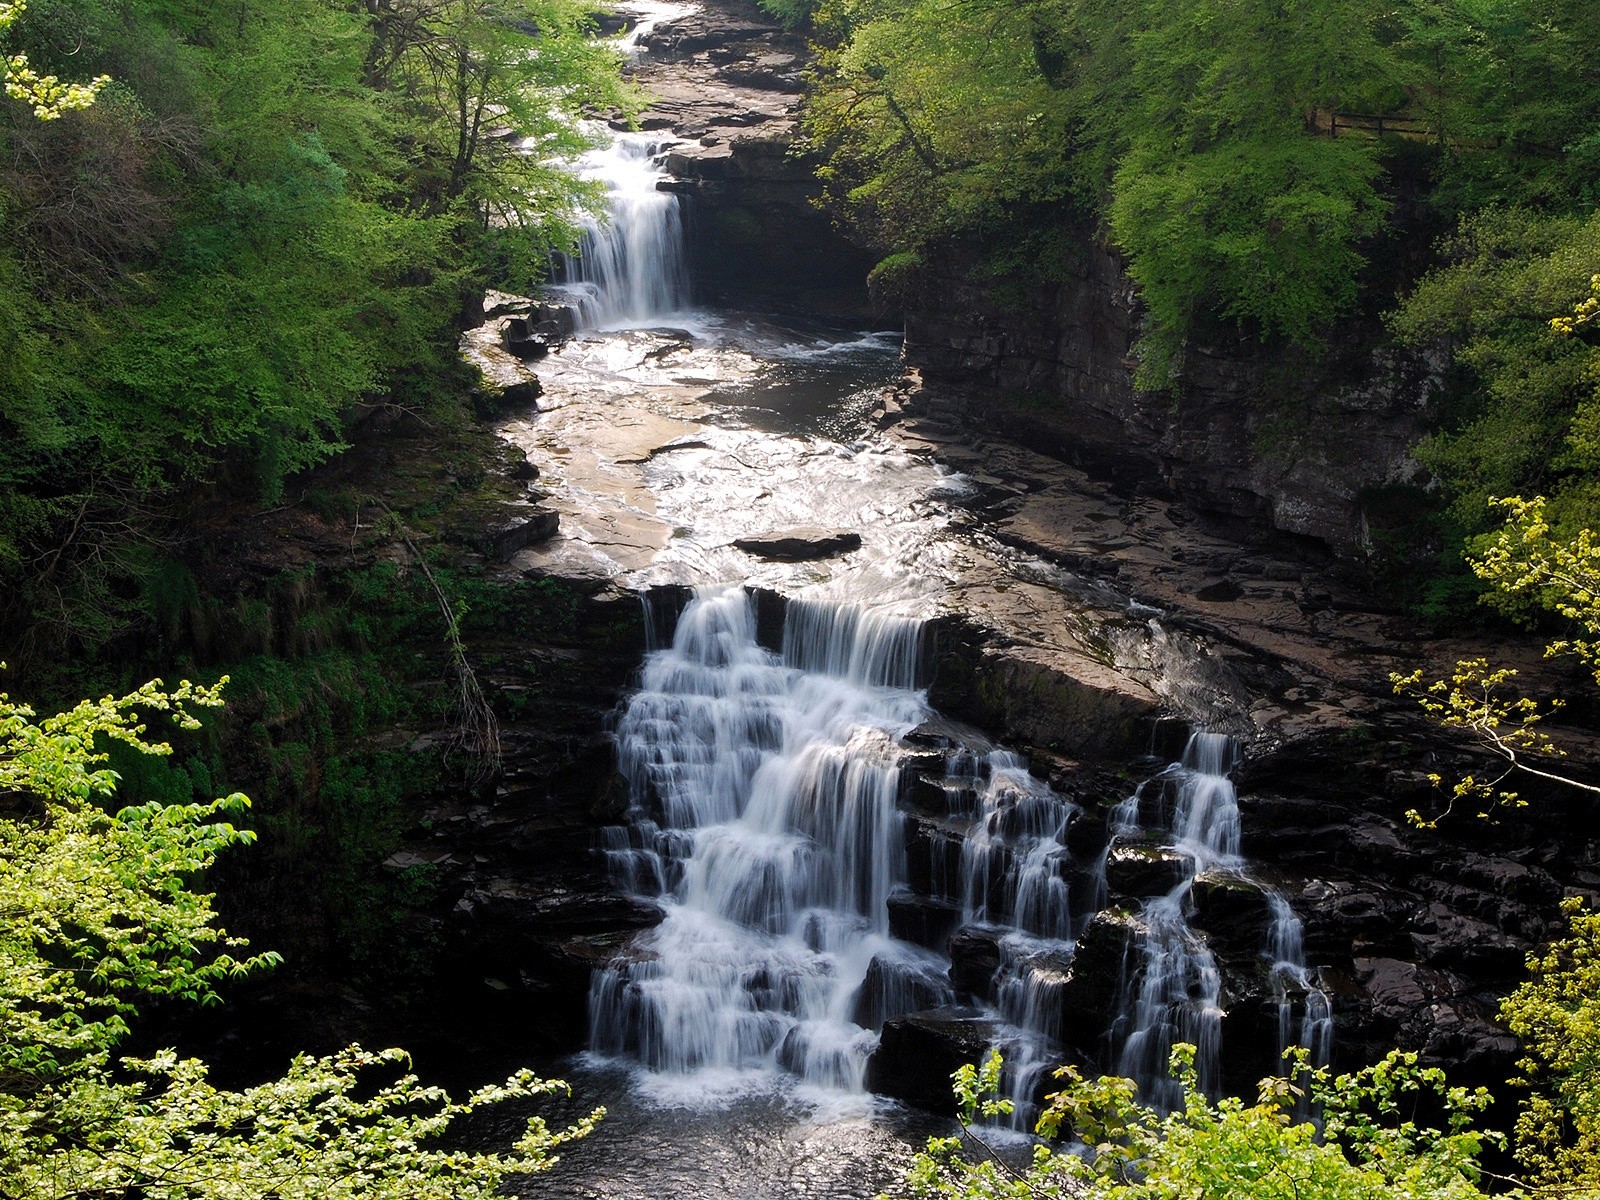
(800, 545)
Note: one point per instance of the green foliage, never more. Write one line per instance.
(100, 913)
(1262, 232)
(45, 94)
(1528, 421)
(793, 13)
(1197, 136)
(1556, 1013)
(1184, 128)
(1527, 569)
(274, 218)
(1369, 1146)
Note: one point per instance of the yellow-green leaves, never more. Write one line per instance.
(1525, 565)
(1556, 1013)
(99, 912)
(1370, 1147)
(48, 96)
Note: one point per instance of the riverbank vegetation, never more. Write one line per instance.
(1394, 1129)
(102, 918)
(1269, 175)
(267, 227)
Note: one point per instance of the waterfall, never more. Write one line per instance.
(1293, 984)
(764, 790)
(770, 793)
(631, 269)
(1173, 990)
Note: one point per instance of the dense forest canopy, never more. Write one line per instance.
(274, 214)
(1230, 150)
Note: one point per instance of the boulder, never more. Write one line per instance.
(918, 1053)
(1138, 870)
(922, 921)
(896, 986)
(974, 960)
(1089, 996)
(1234, 913)
(933, 859)
(495, 396)
(802, 544)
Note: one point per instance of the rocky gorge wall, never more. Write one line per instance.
(725, 83)
(1264, 438)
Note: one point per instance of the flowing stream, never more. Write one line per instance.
(812, 830)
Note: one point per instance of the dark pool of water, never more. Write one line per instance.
(764, 1146)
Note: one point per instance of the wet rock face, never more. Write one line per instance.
(918, 1053)
(1250, 437)
(1418, 933)
(726, 85)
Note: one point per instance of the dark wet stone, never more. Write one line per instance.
(1139, 870)
(974, 960)
(891, 989)
(1233, 913)
(1089, 996)
(800, 545)
(918, 1053)
(922, 921)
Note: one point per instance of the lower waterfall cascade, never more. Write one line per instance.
(820, 841)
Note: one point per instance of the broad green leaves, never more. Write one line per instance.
(1369, 1147)
(98, 913)
(1184, 127)
(48, 96)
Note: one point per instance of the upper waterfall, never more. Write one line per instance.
(631, 268)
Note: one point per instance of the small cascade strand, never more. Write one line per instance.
(1294, 986)
(632, 266)
(767, 795)
(1173, 992)
(1176, 996)
(865, 646)
(1014, 863)
(1016, 872)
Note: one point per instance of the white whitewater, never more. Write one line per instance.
(1173, 992)
(631, 269)
(765, 786)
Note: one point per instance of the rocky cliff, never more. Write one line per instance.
(725, 85)
(1267, 439)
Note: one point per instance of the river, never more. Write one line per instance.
(807, 899)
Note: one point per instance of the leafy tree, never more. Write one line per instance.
(100, 913)
(276, 218)
(1529, 567)
(1527, 419)
(45, 94)
(1184, 128)
(1556, 1013)
(1368, 1145)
